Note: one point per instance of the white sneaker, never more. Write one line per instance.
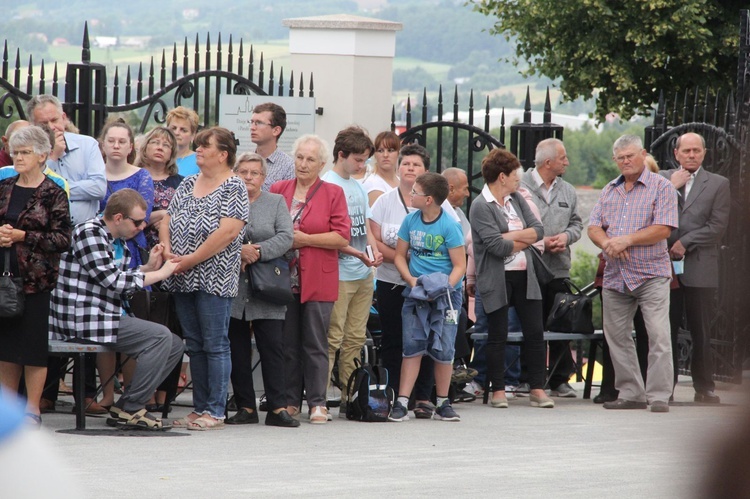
(510, 392)
(474, 388)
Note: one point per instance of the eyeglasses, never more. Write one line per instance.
(24, 153)
(415, 193)
(259, 123)
(137, 223)
(248, 173)
(627, 157)
(160, 143)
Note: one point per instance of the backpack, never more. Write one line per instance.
(368, 397)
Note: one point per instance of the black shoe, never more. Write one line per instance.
(462, 396)
(263, 405)
(232, 404)
(707, 397)
(605, 397)
(625, 404)
(282, 419)
(243, 416)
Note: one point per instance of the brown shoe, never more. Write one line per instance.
(93, 408)
(46, 406)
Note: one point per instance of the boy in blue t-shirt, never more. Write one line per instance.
(436, 244)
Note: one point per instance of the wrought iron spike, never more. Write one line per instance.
(86, 46)
(312, 88)
(393, 117)
(408, 111)
(54, 80)
(424, 105)
(281, 82)
(270, 80)
(163, 71)
(527, 107)
(116, 88)
(487, 115)
(41, 79)
(29, 77)
(547, 117)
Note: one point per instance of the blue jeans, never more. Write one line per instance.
(512, 352)
(205, 324)
(439, 345)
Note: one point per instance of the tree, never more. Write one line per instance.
(622, 51)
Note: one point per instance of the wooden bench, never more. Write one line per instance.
(596, 339)
(78, 351)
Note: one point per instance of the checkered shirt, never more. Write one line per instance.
(87, 301)
(651, 201)
(280, 167)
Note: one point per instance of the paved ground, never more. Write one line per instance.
(576, 449)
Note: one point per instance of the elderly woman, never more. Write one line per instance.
(321, 227)
(35, 229)
(183, 123)
(384, 177)
(157, 155)
(202, 232)
(268, 235)
(503, 227)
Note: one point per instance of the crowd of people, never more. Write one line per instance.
(90, 225)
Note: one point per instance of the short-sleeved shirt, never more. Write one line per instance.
(192, 221)
(651, 201)
(351, 268)
(429, 243)
(375, 182)
(280, 167)
(389, 212)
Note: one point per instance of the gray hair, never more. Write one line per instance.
(250, 157)
(323, 148)
(627, 141)
(452, 174)
(41, 100)
(546, 149)
(32, 136)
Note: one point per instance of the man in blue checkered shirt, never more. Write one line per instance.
(89, 299)
(631, 221)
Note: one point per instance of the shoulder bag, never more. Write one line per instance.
(543, 274)
(571, 312)
(12, 297)
(269, 281)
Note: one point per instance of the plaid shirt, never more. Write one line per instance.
(87, 302)
(651, 201)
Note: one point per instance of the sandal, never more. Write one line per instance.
(186, 421)
(141, 420)
(319, 415)
(205, 423)
(34, 420)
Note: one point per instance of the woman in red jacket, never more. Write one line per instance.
(321, 227)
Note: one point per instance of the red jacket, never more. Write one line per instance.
(325, 212)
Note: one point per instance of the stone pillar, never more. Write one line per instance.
(351, 60)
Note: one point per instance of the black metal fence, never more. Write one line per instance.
(90, 96)
(459, 144)
(723, 119)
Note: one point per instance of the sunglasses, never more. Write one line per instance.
(137, 223)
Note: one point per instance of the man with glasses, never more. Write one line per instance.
(87, 303)
(267, 123)
(74, 157)
(631, 222)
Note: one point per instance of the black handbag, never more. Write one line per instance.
(12, 297)
(270, 281)
(543, 274)
(571, 312)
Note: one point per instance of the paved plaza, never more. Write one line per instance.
(576, 449)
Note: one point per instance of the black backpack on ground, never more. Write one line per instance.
(368, 397)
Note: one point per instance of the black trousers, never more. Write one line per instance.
(530, 314)
(697, 306)
(269, 339)
(390, 303)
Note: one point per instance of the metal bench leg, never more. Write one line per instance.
(79, 362)
(593, 346)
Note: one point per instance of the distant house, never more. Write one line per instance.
(105, 41)
(137, 42)
(60, 42)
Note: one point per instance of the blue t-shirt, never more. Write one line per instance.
(429, 243)
(187, 165)
(351, 268)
